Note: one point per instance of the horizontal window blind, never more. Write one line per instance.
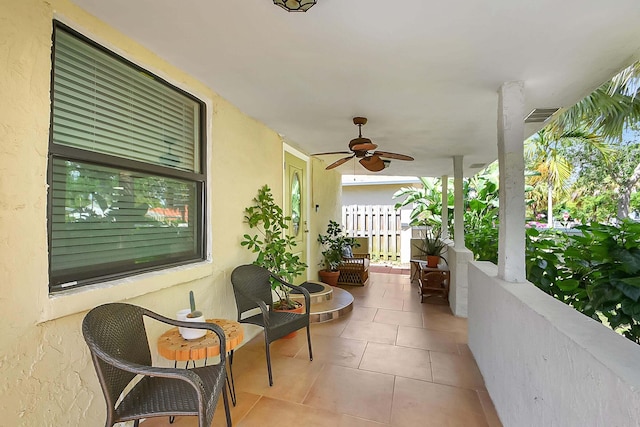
(107, 220)
(106, 106)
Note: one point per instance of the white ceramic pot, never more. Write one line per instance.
(188, 333)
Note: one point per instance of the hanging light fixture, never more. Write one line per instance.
(295, 5)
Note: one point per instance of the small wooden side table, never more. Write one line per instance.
(433, 281)
(415, 267)
(172, 346)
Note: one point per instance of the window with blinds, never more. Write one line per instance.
(125, 167)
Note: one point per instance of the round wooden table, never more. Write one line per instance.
(172, 346)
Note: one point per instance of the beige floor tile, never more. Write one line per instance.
(420, 403)
(456, 370)
(396, 291)
(336, 350)
(245, 403)
(379, 302)
(464, 350)
(353, 392)
(411, 302)
(332, 328)
(349, 421)
(427, 340)
(284, 346)
(292, 378)
(277, 413)
(395, 317)
(178, 422)
(362, 291)
(371, 331)
(362, 313)
(402, 361)
(435, 304)
(245, 359)
(444, 322)
(489, 409)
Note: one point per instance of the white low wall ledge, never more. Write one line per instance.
(545, 364)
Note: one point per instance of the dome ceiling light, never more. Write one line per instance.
(295, 5)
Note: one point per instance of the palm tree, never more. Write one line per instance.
(545, 153)
(609, 110)
(426, 201)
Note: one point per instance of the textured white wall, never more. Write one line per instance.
(544, 364)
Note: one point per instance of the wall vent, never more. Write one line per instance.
(540, 115)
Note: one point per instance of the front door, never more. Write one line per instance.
(295, 206)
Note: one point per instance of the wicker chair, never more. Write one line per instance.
(117, 339)
(252, 288)
(354, 270)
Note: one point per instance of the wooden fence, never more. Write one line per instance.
(380, 223)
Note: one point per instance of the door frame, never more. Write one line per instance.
(286, 148)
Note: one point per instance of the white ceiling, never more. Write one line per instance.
(425, 73)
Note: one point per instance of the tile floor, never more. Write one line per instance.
(391, 362)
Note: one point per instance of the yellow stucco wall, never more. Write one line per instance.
(46, 376)
(327, 191)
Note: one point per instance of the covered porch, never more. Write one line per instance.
(392, 361)
(448, 86)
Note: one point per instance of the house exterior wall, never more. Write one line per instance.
(545, 364)
(378, 194)
(46, 375)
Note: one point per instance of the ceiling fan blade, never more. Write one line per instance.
(373, 163)
(339, 162)
(394, 155)
(332, 152)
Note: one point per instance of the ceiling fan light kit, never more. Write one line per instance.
(364, 149)
(295, 5)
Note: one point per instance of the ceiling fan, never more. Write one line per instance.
(365, 150)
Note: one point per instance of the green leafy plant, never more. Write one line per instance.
(334, 242)
(432, 244)
(272, 245)
(426, 202)
(596, 271)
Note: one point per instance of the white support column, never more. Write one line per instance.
(511, 243)
(445, 207)
(458, 205)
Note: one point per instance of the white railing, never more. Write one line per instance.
(545, 364)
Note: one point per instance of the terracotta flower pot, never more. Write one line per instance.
(329, 277)
(299, 310)
(432, 261)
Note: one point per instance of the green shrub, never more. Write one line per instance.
(596, 271)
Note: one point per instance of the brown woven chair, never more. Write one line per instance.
(252, 288)
(354, 270)
(117, 339)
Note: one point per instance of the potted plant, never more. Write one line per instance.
(432, 245)
(272, 245)
(191, 315)
(335, 246)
